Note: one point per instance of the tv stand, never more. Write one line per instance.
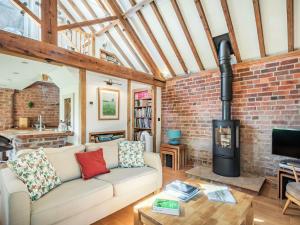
(287, 164)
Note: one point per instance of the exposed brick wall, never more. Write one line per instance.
(46, 103)
(6, 108)
(14, 104)
(265, 96)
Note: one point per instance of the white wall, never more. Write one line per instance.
(95, 81)
(67, 79)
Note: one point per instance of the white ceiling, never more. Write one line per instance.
(18, 73)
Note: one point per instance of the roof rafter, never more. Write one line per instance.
(207, 29)
(24, 8)
(153, 39)
(136, 7)
(168, 35)
(231, 30)
(136, 40)
(87, 23)
(259, 28)
(124, 38)
(290, 24)
(120, 50)
(80, 14)
(187, 33)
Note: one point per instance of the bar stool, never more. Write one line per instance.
(5, 146)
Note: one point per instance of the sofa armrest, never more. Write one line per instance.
(153, 160)
(15, 201)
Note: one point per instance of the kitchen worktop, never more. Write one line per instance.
(31, 133)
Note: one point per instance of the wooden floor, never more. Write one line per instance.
(267, 209)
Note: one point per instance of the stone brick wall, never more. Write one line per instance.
(266, 96)
(6, 108)
(45, 97)
(14, 104)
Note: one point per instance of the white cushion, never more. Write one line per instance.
(125, 180)
(110, 151)
(64, 161)
(69, 199)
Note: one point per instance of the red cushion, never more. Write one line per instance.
(91, 163)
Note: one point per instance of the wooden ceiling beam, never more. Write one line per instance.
(207, 29)
(132, 50)
(24, 8)
(106, 28)
(231, 30)
(136, 7)
(87, 23)
(80, 14)
(259, 28)
(49, 21)
(120, 50)
(187, 33)
(153, 39)
(290, 24)
(135, 40)
(67, 13)
(29, 48)
(169, 37)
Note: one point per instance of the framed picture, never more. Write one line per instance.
(108, 103)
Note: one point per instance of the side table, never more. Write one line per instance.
(178, 153)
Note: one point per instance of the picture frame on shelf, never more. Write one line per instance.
(108, 104)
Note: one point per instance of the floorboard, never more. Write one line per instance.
(267, 209)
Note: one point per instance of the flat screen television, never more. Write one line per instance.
(286, 142)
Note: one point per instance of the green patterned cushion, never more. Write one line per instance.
(36, 172)
(131, 154)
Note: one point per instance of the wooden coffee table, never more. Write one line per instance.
(198, 211)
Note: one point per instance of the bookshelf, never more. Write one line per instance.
(143, 112)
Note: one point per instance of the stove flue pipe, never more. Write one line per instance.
(226, 78)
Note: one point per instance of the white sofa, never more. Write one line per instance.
(77, 201)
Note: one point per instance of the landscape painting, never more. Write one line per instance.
(108, 102)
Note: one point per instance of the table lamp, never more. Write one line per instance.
(174, 137)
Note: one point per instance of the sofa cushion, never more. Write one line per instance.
(124, 180)
(69, 199)
(64, 161)
(35, 170)
(110, 151)
(91, 163)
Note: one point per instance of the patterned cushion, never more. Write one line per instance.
(131, 154)
(36, 172)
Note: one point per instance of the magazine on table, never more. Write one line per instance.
(218, 193)
(166, 206)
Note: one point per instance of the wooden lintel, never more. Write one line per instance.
(207, 29)
(25, 47)
(21, 6)
(290, 24)
(259, 28)
(154, 41)
(231, 30)
(187, 34)
(169, 37)
(49, 21)
(136, 7)
(136, 40)
(87, 23)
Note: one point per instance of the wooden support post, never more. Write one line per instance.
(49, 21)
(129, 135)
(290, 24)
(93, 45)
(154, 96)
(82, 91)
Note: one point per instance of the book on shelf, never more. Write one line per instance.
(181, 190)
(218, 193)
(143, 112)
(166, 206)
(142, 123)
(143, 103)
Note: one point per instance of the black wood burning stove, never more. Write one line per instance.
(226, 141)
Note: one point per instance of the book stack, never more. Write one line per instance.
(166, 206)
(181, 190)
